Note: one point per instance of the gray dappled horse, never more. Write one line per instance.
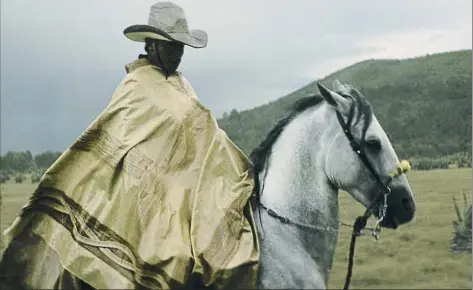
(299, 169)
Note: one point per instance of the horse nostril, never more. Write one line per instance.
(407, 205)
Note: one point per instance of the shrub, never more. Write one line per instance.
(19, 178)
(4, 177)
(462, 160)
(36, 177)
(461, 241)
(426, 163)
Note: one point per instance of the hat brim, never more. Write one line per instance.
(195, 38)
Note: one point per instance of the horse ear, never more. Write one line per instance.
(337, 101)
(338, 87)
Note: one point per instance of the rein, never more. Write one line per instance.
(360, 221)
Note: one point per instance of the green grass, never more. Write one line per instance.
(414, 256)
(14, 197)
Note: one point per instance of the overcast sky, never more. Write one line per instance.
(62, 60)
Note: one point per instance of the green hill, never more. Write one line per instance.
(423, 103)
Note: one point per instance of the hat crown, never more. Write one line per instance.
(167, 21)
(168, 17)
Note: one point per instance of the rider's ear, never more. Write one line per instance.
(339, 102)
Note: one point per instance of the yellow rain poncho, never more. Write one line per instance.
(153, 194)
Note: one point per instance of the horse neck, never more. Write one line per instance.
(295, 186)
(294, 182)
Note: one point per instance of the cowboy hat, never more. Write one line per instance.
(167, 21)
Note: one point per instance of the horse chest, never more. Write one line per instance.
(286, 261)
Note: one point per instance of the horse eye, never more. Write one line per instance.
(374, 144)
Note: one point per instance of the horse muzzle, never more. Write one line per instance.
(401, 206)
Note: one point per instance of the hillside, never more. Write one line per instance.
(423, 103)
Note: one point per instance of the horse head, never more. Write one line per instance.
(360, 158)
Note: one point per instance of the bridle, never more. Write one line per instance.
(360, 221)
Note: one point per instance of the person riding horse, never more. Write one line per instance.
(153, 194)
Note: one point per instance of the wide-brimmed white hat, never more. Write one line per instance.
(167, 21)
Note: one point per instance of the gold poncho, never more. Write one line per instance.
(153, 194)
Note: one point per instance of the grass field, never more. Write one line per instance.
(415, 256)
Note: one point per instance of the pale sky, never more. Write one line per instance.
(62, 60)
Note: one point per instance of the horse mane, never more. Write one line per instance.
(260, 155)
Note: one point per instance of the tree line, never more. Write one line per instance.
(26, 162)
